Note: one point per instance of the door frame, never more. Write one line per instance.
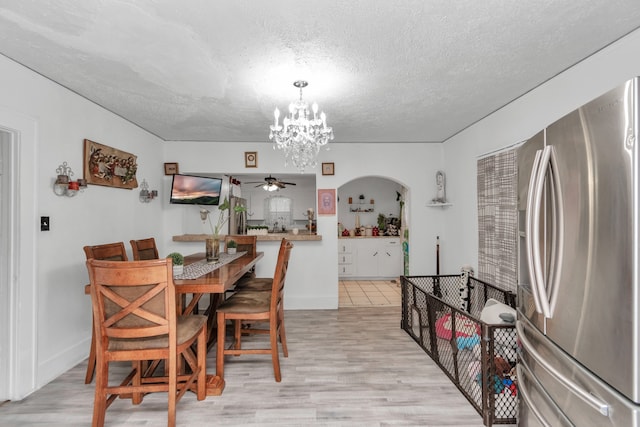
(20, 215)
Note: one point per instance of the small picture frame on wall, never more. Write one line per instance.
(328, 169)
(171, 168)
(327, 201)
(250, 159)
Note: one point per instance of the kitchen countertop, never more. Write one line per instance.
(301, 236)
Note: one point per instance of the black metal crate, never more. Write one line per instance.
(442, 314)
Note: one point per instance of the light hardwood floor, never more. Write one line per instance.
(346, 367)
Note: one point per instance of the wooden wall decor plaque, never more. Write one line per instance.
(104, 165)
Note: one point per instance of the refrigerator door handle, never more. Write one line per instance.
(530, 237)
(548, 162)
(599, 405)
(557, 235)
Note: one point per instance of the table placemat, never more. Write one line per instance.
(200, 268)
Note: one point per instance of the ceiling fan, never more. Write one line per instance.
(271, 184)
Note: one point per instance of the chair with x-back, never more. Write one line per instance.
(135, 319)
(110, 252)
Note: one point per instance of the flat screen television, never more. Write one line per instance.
(195, 190)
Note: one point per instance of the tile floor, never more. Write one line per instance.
(363, 293)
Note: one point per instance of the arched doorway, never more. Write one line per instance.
(371, 248)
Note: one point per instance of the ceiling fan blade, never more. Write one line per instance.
(287, 183)
(279, 184)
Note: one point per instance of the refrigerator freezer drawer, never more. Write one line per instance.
(584, 398)
(536, 406)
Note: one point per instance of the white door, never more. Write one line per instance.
(18, 256)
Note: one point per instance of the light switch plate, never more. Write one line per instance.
(44, 223)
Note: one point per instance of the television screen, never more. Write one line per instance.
(195, 190)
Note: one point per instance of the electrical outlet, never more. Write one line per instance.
(44, 223)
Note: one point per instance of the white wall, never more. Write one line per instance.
(516, 122)
(101, 214)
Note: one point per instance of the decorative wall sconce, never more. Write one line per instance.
(64, 186)
(145, 195)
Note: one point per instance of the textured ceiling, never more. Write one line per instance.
(383, 71)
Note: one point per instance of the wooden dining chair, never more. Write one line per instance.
(256, 307)
(134, 307)
(144, 249)
(245, 242)
(110, 252)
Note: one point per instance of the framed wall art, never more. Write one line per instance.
(328, 169)
(327, 201)
(171, 168)
(250, 159)
(104, 165)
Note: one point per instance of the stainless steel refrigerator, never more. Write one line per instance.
(237, 220)
(578, 296)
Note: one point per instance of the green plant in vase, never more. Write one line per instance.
(232, 247)
(213, 242)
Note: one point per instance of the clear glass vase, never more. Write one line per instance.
(212, 249)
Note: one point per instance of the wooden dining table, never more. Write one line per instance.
(214, 284)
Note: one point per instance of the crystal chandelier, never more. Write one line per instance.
(300, 136)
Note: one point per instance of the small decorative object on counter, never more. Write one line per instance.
(178, 261)
(350, 200)
(345, 233)
(361, 197)
(232, 247)
(375, 231)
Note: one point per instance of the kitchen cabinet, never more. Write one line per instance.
(370, 258)
(345, 258)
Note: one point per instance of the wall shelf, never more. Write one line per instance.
(362, 207)
(438, 205)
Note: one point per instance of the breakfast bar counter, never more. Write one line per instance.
(301, 236)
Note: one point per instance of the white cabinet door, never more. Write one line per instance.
(345, 246)
(345, 270)
(377, 258)
(367, 258)
(390, 259)
(346, 267)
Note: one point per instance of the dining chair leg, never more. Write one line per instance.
(237, 334)
(91, 366)
(202, 366)
(221, 323)
(273, 335)
(136, 398)
(283, 335)
(100, 396)
(173, 391)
